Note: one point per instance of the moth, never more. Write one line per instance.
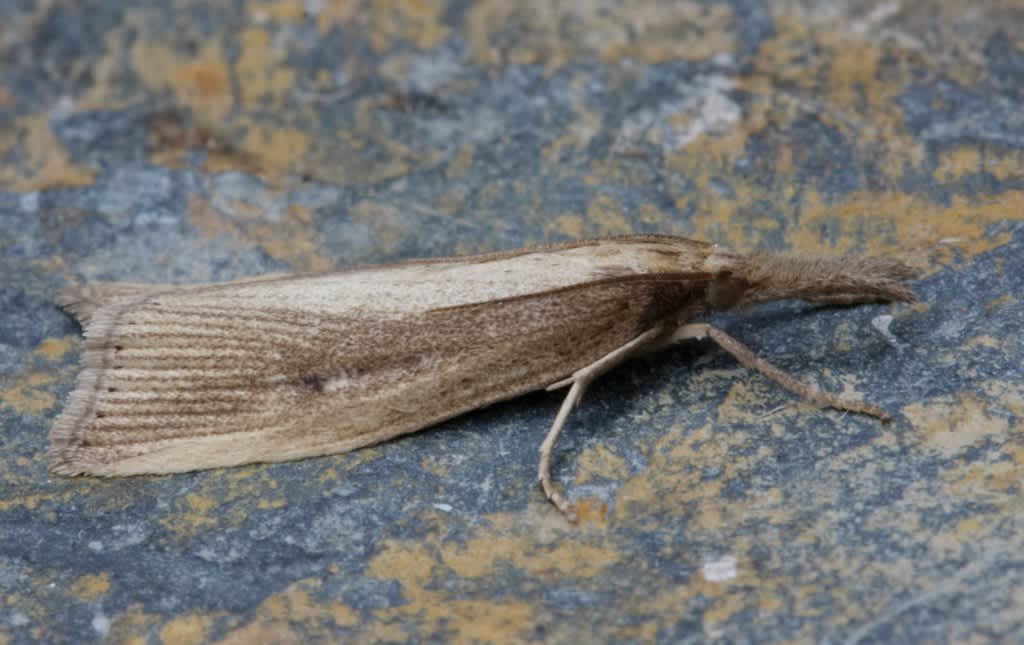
(180, 378)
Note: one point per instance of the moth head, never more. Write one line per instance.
(729, 283)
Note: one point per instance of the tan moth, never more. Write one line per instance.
(180, 378)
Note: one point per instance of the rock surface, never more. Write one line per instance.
(188, 142)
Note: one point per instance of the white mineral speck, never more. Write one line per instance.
(719, 570)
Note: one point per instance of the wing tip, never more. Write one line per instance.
(69, 432)
(79, 300)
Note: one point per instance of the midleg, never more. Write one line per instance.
(579, 382)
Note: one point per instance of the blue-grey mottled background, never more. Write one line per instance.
(190, 141)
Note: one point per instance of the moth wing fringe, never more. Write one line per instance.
(68, 431)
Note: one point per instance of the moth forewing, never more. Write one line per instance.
(272, 370)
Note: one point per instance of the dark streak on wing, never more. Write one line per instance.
(313, 382)
(681, 277)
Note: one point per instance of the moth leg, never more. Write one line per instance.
(579, 381)
(746, 357)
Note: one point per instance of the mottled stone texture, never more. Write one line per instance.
(194, 141)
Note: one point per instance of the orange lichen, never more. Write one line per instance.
(951, 424)
(91, 586)
(652, 32)
(201, 82)
(295, 615)
(44, 163)
(406, 21)
(26, 395)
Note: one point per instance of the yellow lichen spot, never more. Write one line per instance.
(651, 214)
(389, 632)
(723, 608)
(649, 31)
(192, 514)
(396, 559)
(586, 124)
(844, 337)
(965, 161)
(955, 164)
(745, 401)
(656, 32)
(434, 466)
(1010, 395)
(343, 615)
(286, 11)
(968, 527)
(328, 475)
(208, 220)
(406, 21)
(53, 348)
(590, 511)
(949, 543)
(910, 223)
(385, 222)
(463, 621)
(950, 424)
(336, 12)
(711, 515)
(600, 461)
(91, 586)
(30, 502)
(277, 632)
(786, 52)
(292, 240)
(26, 395)
(982, 341)
(261, 69)
(295, 604)
(567, 225)
(480, 557)
(673, 477)
(1003, 164)
(127, 626)
(200, 503)
(46, 164)
(276, 150)
(186, 630)
(201, 82)
(715, 216)
(770, 604)
(481, 621)
(853, 67)
(481, 22)
(605, 214)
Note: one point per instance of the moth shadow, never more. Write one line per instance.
(785, 313)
